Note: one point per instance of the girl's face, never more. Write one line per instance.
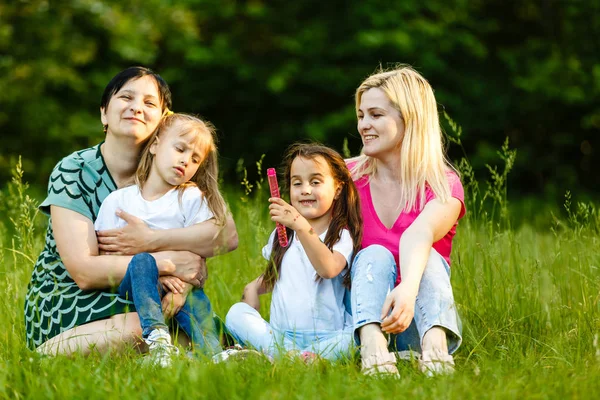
(313, 188)
(176, 157)
(135, 110)
(380, 124)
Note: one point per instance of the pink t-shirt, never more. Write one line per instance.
(374, 232)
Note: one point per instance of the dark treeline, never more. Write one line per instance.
(267, 73)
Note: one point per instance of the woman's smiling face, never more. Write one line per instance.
(379, 123)
(135, 110)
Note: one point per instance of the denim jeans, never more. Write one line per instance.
(140, 285)
(373, 277)
(248, 327)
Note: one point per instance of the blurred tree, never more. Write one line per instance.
(270, 73)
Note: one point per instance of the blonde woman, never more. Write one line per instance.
(411, 201)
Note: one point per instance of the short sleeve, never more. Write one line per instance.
(195, 207)
(66, 188)
(456, 191)
(107, 217)
(345, 246)
(266, 251)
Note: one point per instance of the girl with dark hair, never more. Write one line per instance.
(323, 222)
(71, 305)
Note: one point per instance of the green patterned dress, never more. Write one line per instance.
(54, 303)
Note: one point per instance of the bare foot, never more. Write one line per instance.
(435, 359)
(376, 359)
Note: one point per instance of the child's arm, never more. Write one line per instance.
(172, 284)
(252, 291)
(327, 263)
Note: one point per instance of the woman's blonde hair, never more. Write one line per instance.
(207, 176)
(422, 160)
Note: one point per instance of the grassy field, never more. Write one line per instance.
(528, 295)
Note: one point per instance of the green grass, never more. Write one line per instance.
(528, 297)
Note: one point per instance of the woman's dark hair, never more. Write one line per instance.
(119, 80)
(345, 214)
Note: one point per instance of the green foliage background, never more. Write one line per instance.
(268, 73)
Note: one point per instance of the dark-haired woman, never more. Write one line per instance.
(71, 305)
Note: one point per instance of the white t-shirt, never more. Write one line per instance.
(162, 213)
(300, 302)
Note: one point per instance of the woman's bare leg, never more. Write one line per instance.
(115, 333)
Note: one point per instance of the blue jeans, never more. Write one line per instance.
(248, 327)
(140, 285)
(374, 276)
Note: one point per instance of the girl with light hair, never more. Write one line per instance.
(176, 187)
(411, 201)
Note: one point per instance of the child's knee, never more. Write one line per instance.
(142, 265)
(236, 314)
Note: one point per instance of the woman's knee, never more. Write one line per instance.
(373, 255)
(128, 324)
(436, 275)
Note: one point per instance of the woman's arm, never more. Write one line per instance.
(432, 224)
(252, 291)
(76, 243)
(327, 263)
(205, 239)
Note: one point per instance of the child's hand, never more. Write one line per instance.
(172, 284)
(286, 214)
(172, 304)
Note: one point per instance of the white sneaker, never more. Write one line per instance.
(161, 349)
(238, 352)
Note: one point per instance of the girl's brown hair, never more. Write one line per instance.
(207, 176)
(346, 209)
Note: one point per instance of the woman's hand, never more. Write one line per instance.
(286, 214)
(133, 238)
(401, 301)
(185, 265)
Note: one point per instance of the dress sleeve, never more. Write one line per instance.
(345, 245)
(266, 251)
(65, 188)
(195, 207)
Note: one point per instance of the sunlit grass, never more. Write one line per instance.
(528, 297)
